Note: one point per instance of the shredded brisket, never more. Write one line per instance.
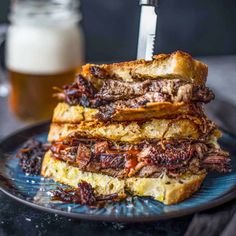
(83, 195)
(144, 159)
(80, 92)
(216, 161)
(174, 90)
(31, 155)
(115, 93)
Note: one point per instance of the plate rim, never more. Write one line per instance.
(228, 196)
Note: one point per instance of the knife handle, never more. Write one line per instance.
(153, 3)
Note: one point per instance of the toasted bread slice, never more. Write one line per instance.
(164, 189)
(189, 128)
(64, 113)
(175, 65)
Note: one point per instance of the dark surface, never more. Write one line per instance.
(32, 222)
(17, 219)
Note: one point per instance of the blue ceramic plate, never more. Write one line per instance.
(34, 190)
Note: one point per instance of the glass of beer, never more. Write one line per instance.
(44, 49)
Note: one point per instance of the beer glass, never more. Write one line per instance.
(44, 49)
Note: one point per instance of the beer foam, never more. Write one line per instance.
(44, 49)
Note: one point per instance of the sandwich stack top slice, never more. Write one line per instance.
(137, 90)
(136, 127)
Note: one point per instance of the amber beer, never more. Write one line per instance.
(31, 95)
(44, 49)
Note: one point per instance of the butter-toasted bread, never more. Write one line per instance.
(185, 128)
(64, 113)
(175, 65)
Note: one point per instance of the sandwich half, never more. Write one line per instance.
(136, 128)
(163, 189)
(168, 171)
(132, 90)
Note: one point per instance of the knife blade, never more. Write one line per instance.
(147, 29)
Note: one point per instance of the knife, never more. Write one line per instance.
(147, 29)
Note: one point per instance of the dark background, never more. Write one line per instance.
(200, 27)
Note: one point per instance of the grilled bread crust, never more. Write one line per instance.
(163, 66)
(133, 132)
(164, 189)
(64, 113)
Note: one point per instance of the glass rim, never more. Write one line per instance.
(46, 11)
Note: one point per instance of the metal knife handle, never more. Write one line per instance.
(153, 3)
(147, 29)
(147, 32)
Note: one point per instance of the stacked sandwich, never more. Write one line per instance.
(136, 127)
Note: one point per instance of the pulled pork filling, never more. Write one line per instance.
(115, 93)
(146, 159)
